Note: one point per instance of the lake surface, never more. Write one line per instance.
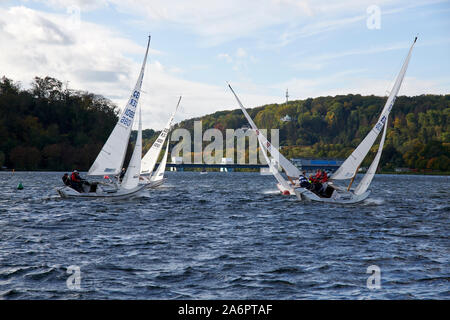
(224, 236)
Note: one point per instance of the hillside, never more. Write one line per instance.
(52, 128)
(331, 127)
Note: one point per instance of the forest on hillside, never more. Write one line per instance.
(331, 127)
(49, 127)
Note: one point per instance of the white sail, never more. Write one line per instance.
(110, 159)
(291, 170)
(348, 169)
(131, 178)
(272, 168)
(150, 158)
(159, 173)
(367, 179)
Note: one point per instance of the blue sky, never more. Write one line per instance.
(313, 48)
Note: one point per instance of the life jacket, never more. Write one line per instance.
(303, 182)
(302, 179)
(75, 177)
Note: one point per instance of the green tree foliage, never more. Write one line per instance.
(418, 128)
(52, 128)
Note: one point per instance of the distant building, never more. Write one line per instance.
(227, 161)
(402, 170)
(286, 118)
(176, 160)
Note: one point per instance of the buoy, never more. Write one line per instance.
(20, 186)
(286, 192)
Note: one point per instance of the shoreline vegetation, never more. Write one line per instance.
(50, 127)
(412, 173)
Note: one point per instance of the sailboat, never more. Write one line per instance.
(157, 178)
(110, 159)
(286, 187)
(154, 179)
(334, 193)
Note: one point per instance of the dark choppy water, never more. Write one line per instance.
(224, 236)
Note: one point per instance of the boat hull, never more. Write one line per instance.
(155, 184)
(68, 192)
(338, 197)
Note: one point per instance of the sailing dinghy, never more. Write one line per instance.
(332, 192)
(155, 179)
(286, 187)
(111, 157)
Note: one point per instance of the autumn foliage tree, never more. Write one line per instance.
(49, 127)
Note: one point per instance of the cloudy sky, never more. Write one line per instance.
(261, 47)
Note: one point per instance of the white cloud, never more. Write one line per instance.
(94, 58)
(225, 56)
(97, 58)
(241, 53)
(84, 5)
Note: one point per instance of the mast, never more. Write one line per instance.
(291, 170)
(150, 158)
(349, 168)
(111, 157)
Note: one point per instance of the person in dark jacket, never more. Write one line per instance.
(66, 179)
(303, 181)
(77, 182)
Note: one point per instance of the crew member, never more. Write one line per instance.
(66, 179)
(76, 181)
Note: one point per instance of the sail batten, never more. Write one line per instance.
(348, 169)
(111, 157)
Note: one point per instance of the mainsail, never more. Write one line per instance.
(131, 178)
(272, 168)
(110, 159)
(291, 170)
(367, 179)
(159, 173)
(348, 169)
(150, 158)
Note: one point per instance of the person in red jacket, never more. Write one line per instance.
(323, 177)
(76, 181)
(316, 178)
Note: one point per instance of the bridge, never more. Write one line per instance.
(303, 164)
(315, 164)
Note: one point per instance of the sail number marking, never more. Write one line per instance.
(128, 115)
(380, 123)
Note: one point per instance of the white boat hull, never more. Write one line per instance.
(121, 193)
(337, 197)
(155, 184)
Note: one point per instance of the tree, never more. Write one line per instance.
(2, 159)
